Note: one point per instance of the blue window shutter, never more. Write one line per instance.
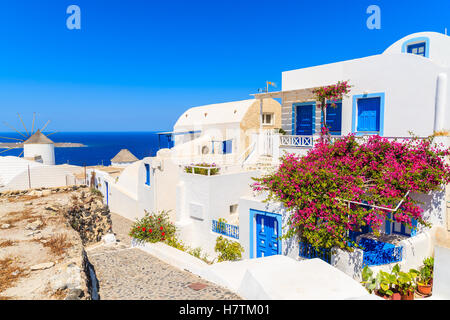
(369, 114)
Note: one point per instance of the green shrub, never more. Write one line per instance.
(153, 227)
(96, 192)
(228, 250)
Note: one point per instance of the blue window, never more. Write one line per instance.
(147, 174)
(417, 48)
(227, 146)
(369, 115)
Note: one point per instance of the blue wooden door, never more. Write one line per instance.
(266, 236)
(369, 114)
(304, 122)
(227, 146)
(107, 193)
(334, 118)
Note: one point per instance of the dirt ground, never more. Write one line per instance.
(36, 243)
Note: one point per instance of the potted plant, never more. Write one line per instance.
(405, 282)
(425, 280)
(388, 286)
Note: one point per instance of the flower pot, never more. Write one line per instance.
(408, 295)
(424, 289)
(396, 296)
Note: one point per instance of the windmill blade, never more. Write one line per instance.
(12, 138)
(7, 124)
(21, 153)
(42, 129)
(50, 133)
(26, 130)
(32, 126)
(10, 149)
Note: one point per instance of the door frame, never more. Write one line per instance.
(253, 213)
(294, 116)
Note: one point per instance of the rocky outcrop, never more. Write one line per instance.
(89, 216)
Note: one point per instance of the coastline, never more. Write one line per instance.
(6, 145)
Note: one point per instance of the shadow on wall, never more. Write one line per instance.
(433, 205)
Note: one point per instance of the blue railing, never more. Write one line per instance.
(225, 229)
(309, 252)
(378, 253)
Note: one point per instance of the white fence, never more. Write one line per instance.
(296, 141)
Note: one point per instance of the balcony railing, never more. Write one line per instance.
(378, 253)
(296, 141)
(225, 229)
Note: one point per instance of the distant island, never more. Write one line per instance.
(57, 145)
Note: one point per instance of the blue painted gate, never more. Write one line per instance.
(369, 114)
(266, 236)
(304, 122)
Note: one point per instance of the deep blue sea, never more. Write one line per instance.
(100, 148)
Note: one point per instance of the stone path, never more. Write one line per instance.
(129, 273)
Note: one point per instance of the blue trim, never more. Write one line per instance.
(414, 227)
(380, 95)
(294, 112)
(253, 213)
(415, 40)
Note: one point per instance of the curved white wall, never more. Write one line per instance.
(46, 151)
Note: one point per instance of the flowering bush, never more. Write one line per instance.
(331, 93)
(377, 172)
(203, 171)
(228, 250)
(153, 227)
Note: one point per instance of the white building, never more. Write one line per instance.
(403, 89)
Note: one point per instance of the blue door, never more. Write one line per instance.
(227, 146)
(107, 193)
(305, 122)
(334, 118)
(369, 114)
(266, 236)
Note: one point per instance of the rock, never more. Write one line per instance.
(46, 193)
(109, 238)
(34, 225)
(32, 233)
(42, 266)
(52, 208)
(5, 226)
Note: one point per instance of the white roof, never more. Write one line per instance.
(12, 166)
(228, 112)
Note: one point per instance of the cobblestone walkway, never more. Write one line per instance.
(126, 273)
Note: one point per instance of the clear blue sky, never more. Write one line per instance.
(136, 65)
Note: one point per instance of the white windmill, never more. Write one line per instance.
(36, 145)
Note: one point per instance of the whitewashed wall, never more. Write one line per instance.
(202, 199)
(40, 176)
